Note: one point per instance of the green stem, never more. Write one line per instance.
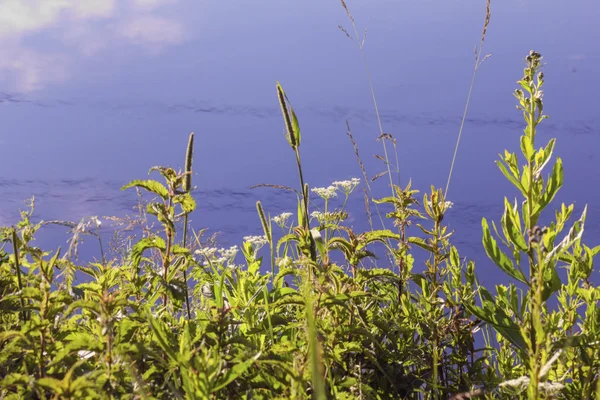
(167, 255)
(187, 299)
(18, 268)
(304, 195)
(536, 272)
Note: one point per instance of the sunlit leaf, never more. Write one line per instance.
(150, 185)
(497, 256)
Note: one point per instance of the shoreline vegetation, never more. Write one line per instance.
(311, 308)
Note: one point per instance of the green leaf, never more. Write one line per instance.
(498, 319)
(162, 213)
(574, 235)
(301, 216)
(513, 179)
(151, 186)
(77, 341)
(525, 85)
(512, 226)
(339, 243)
(552, 282)
(287, 238)
(379, 236)
(236, 371)
(527, 148)
(51, 383)
(167, 172)
(543, 156)
(555, 182)
(7, 335)
(161, 336)
(319, 242)
(295, 127)
(421, 243)
(497, 256)
(180, 251)
(145, 244)
(188, 204)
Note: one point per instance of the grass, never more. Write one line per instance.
(163, 318)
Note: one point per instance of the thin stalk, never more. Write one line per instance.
(304, 188)
(381, 135)
(478, 62)
(434, 290)
(166, 257)
(187, 299)
(187, 187)
(536, 272)
(100, 242)
(460, 131)
(18, 268)
(43, 311)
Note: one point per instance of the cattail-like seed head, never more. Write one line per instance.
(263, 220)
(189, 155)
(286, 116)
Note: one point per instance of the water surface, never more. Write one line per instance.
(92, 95)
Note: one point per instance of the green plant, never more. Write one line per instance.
(537, 334)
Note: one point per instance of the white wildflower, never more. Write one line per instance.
(84, 354)
(551, 388)
(329, 217)
(208, 252)
(318, 215)
(347, 186)
(325, 193)
(227, 255)
(282, 218)
(256, 241)
(519, 384)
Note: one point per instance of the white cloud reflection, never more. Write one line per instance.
(151, 32)
(40, 40)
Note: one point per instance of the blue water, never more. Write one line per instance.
(91, 96)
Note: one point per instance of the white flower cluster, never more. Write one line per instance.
(347, 186)
(208, 252)
(325, 193)
(282, 218)
(519, 385)
(328, 217)
(317, 214)
(256, 241)
(225, 255)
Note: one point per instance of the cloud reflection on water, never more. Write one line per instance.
(41, 41)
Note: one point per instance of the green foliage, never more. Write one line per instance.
(327, 318)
